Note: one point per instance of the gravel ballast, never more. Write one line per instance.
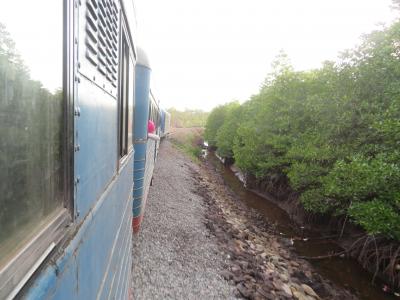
(174, 256)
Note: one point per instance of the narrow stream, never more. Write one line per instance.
(346, 273)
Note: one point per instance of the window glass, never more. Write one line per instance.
(31, 119)
(130, 100)
(123, 96)
(126, 97)
(150, 110)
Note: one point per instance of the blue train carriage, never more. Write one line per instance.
(146, 143)
(66, 148)
(165, 123)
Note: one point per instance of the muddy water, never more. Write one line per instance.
(346, 273)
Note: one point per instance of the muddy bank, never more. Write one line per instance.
(260, 264)
(377, 255)
(336, 265)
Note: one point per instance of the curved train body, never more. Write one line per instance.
(75, 158)
(144, 148)
(165, 123)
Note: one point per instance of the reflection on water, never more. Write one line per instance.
(346, 273)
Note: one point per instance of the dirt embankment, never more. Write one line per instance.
(260, 264)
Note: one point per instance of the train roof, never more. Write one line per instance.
(142, 59)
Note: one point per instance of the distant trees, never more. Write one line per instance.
(226, 133)
(188, 117)
(332, 132)
(216, 120)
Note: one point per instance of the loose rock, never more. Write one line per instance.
(261, 264)
(174, 256)
(309, 290)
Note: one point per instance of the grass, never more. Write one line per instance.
(187, 141)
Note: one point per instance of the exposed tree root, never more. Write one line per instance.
(376, 254)
(379, 256)
(324, 256)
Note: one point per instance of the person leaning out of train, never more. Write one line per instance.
(151, 129)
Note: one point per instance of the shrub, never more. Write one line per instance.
(334, 132)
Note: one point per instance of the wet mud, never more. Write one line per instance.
(259, 262)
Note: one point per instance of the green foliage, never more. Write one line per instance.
(363, 179)
(215, 120)
(188, 118)
(227, 132)
(334, 132)
(377, 217)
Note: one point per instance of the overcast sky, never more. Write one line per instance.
(209, 52)
(205, 53)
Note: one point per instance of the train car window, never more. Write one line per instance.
(126, 97)
(31, 121)
(123, 96)
(131, 97)
(150, 110)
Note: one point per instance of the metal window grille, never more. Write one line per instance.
(102, 19)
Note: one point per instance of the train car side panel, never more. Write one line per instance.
(90, 266)
(142, 92)
(167, 125)
(93, 261)
(96, 158)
